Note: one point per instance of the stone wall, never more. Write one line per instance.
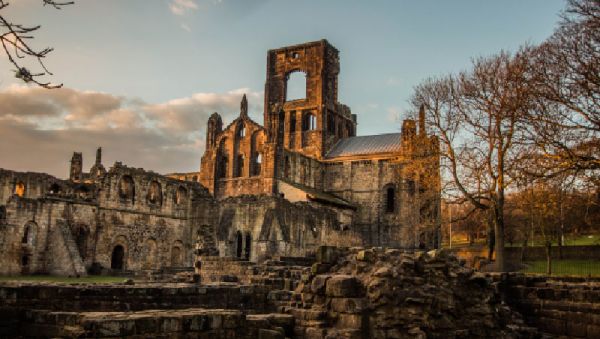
(277, 227)
(66, 227)
(557, 306)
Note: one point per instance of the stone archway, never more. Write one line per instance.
(117, 261)
(177, 254)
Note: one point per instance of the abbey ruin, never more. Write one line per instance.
(296, 228)
(301, 180)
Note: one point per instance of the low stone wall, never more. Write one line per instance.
(558, 306)
(102, 298)
(218, 269)
(186, 323)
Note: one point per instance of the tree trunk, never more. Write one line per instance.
(549, 257)
(491, 240)
(499, 236)
(523, 248)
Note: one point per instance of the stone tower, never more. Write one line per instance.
(213, 128)
(312, 124)
(76, 172)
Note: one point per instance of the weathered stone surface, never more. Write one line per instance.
(343, 286)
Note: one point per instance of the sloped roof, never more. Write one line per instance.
(317, 195)
(368, 144)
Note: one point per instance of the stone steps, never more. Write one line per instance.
(72, 249)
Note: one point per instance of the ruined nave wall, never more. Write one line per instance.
(277, 227)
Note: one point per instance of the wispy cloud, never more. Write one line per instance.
(181, 7)
(40, 128)
(185, 27)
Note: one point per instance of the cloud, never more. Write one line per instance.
(181, 7)
(185, 27)
(41, 128)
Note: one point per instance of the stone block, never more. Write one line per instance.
(270, 334)
(348, 305)
(327, 254)
(343, 286)
(576, 329)
(349, 321)
(593, 331)
(320, 268)
(365, 255)
(318, 284)
(314, 333)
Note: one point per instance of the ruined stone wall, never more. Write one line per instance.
(276, 226)
(300, 169)
(237, 160)
(68, 227)
(312, 124)
(365, 184)
(26, 184)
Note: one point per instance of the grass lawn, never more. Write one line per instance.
(566, 267)
(93, 279)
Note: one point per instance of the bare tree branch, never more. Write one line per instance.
(15, 40)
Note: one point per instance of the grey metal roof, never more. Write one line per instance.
(368, 144)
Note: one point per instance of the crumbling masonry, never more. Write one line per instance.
(301, 180)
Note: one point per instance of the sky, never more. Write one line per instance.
(141, 77)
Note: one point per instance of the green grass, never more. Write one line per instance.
(94, 279)
(565, 267)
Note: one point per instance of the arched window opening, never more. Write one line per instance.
(248, 246)
(286, 168)
(25, 260)
(222, 160)
(390, 200)
(154, 195)
(239, 166)
(239, 244)
(117, 258)
(2, 215)
(241, 131)
(176, 259)
(296, 86)
(54, 189)
(222, 165)
(292, 121)
(309, 122)
(180, 195)
(127, 188)
(20, 189)
(25, 239)
(82, 191)
(256, 169)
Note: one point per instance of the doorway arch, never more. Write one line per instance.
(118, 258)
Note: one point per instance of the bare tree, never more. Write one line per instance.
(478, 118)
(566, 123)
(15, 39)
